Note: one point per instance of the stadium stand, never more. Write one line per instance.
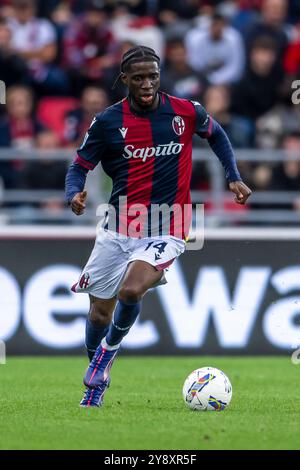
(59, 59)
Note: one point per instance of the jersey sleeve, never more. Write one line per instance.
(93, 146)
(204, 123)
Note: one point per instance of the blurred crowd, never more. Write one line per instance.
(60, 58)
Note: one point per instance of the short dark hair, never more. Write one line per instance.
(19, 4)
(264, 42)
(138, 54)
(291, 134)
(96, 5)
(134, 55)
(218, 17)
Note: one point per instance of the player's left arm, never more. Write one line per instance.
(208, 128)
(221, 146)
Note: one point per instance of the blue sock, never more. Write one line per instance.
(124, 317)
(93, 337)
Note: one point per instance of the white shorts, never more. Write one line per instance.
(107, 265)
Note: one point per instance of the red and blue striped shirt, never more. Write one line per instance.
(147, 155)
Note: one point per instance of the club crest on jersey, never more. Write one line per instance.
(84, 281)
(178, 125)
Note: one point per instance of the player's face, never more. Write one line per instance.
(143, 80)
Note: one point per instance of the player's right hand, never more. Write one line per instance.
(78, 203)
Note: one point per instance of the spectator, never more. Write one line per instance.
(272, 24)
(258, 90)
(239, 129)
(140, 30)
(246, 14)
(206, 11)
(283, 119)
(6, 9)
(118, 90)
(34, 39)
(61, 16)
(93, 101)
(89, 46)
(18, 129)
(260, 180)
(294, 11)
(13, 68)
(136, 7)
(286, 175)
(209, 66)
(46, 174)
(292, 56)
(45, 9)
(221, 57)
(175, 17)
(178, 77)
(171, 12)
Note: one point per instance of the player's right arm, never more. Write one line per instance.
(88, 156)
(78, 202)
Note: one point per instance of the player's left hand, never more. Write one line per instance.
(241, 191)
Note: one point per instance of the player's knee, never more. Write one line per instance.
(130, 294)
(99, 315)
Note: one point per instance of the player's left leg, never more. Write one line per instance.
(97, 322)
(140, 276)
(147, 265)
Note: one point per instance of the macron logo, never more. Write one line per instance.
(123, 131)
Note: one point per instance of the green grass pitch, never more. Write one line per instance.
(144, 408)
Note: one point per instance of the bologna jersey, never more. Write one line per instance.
(148, 157)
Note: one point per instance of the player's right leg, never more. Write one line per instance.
(99, 318)
(101, 278)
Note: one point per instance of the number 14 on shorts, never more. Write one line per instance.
(160, 247)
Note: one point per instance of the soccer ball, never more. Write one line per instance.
(207, 389)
